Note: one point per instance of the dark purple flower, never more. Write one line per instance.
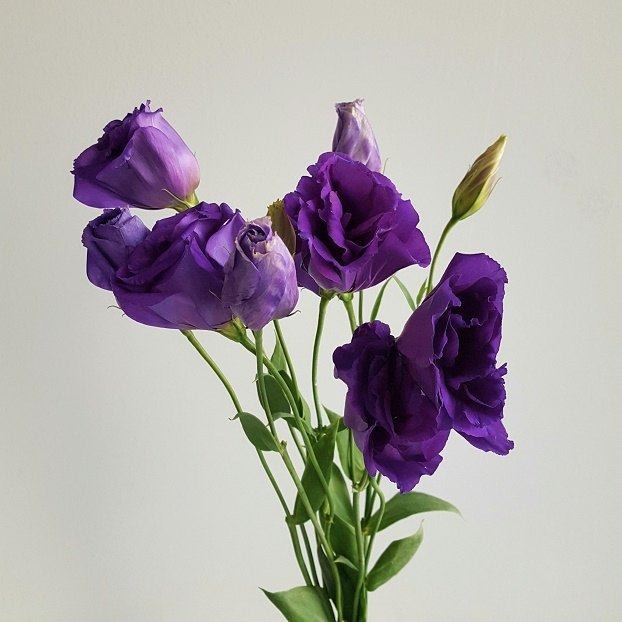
(353, 228)
(260, 276)
(451, 343)
(109, 240)
(393, 422)
(174, 278)
(354, 136)
(140, 161)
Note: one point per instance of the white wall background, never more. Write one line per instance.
(127, 495)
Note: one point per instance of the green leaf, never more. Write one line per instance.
(324, 449)
(376, 307)
(276, 398)
(293, 421)
(257, 433)
(393, 559)
(343, 449)
(278, 356)
(340, 559)
(404, 505)
(340, 496)
(409, 298)
(302, 604)
(421, 292)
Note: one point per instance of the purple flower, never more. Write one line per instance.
(354, 136)
(394, 423)
(174, 277)
(139, 161)
(260, 276)
(451, 343)
(353, 228)
(109, 240)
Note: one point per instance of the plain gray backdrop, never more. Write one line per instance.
(127, 494)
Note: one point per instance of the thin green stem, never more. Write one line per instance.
(212, 363)
(316, 353)
(448, 227)
(375, 485)
(360, 549)
(288, 360)
(361, 308)
(347, 303)
(236, 402)
(305, 539)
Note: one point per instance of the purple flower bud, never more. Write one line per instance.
(174, 277)
(109, 240)
(140, 161)
(260, 276)
(354, 136)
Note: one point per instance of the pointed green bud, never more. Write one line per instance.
(473, 191)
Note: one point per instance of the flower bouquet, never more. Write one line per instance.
(344, 229)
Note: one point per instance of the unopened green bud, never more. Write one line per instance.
(473, 191)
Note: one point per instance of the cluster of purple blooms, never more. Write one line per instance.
(206, 266)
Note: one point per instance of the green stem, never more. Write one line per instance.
(274, 372)
(305, 539)
(236, 402)
(448, 227)
(212, 363)
(374, 484)
(288, 360)
(316, 352)
(360, 549)
(361, 307)
(347, 303)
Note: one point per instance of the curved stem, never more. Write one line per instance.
(439, 245)
(316, 352)
(236, 402)
(212, 363)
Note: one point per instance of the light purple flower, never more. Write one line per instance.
(260, 276)
(109, 240)
(354, 136)
(140, 161)
(174, 277)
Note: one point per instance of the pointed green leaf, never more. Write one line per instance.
(278, 356)
(324, 450)
(344, 449)
(403, 505)
(340, 559)
(302, 604)
(340, 496)
(421, 292)
(393, 559)
(257, 433)
(276, 398)
(376, 307)
(409, 298)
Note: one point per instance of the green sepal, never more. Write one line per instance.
(393, 559)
